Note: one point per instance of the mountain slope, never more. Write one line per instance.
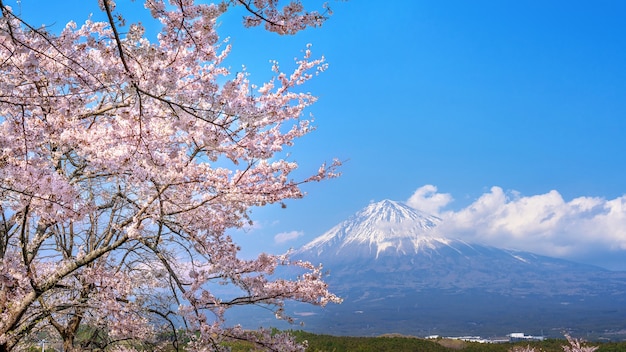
(392, 266)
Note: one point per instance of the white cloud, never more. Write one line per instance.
(544, 223)
(284, 237)
(428, 200)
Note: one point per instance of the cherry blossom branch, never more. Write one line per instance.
(257, 14)
(116, 36)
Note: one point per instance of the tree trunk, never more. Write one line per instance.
(68, 343)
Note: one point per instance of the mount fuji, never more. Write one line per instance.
(387, 228)
(398, 274)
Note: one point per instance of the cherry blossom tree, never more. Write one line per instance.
(123, 161)
(575, 345)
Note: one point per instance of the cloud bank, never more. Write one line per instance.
(428, 200)
(545, 223)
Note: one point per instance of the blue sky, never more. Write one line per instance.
(507, 119)
(527, 97)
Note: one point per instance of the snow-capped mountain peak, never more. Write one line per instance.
(382, 226)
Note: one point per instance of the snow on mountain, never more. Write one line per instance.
(385, 226)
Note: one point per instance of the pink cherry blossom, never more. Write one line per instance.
(123, 161)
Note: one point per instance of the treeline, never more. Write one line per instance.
(328, 343)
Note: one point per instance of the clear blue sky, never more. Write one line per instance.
(527, 97)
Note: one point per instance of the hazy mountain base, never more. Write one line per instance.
(472, 312)
(450, 313)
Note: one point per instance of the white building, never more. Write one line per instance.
(520, 336)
